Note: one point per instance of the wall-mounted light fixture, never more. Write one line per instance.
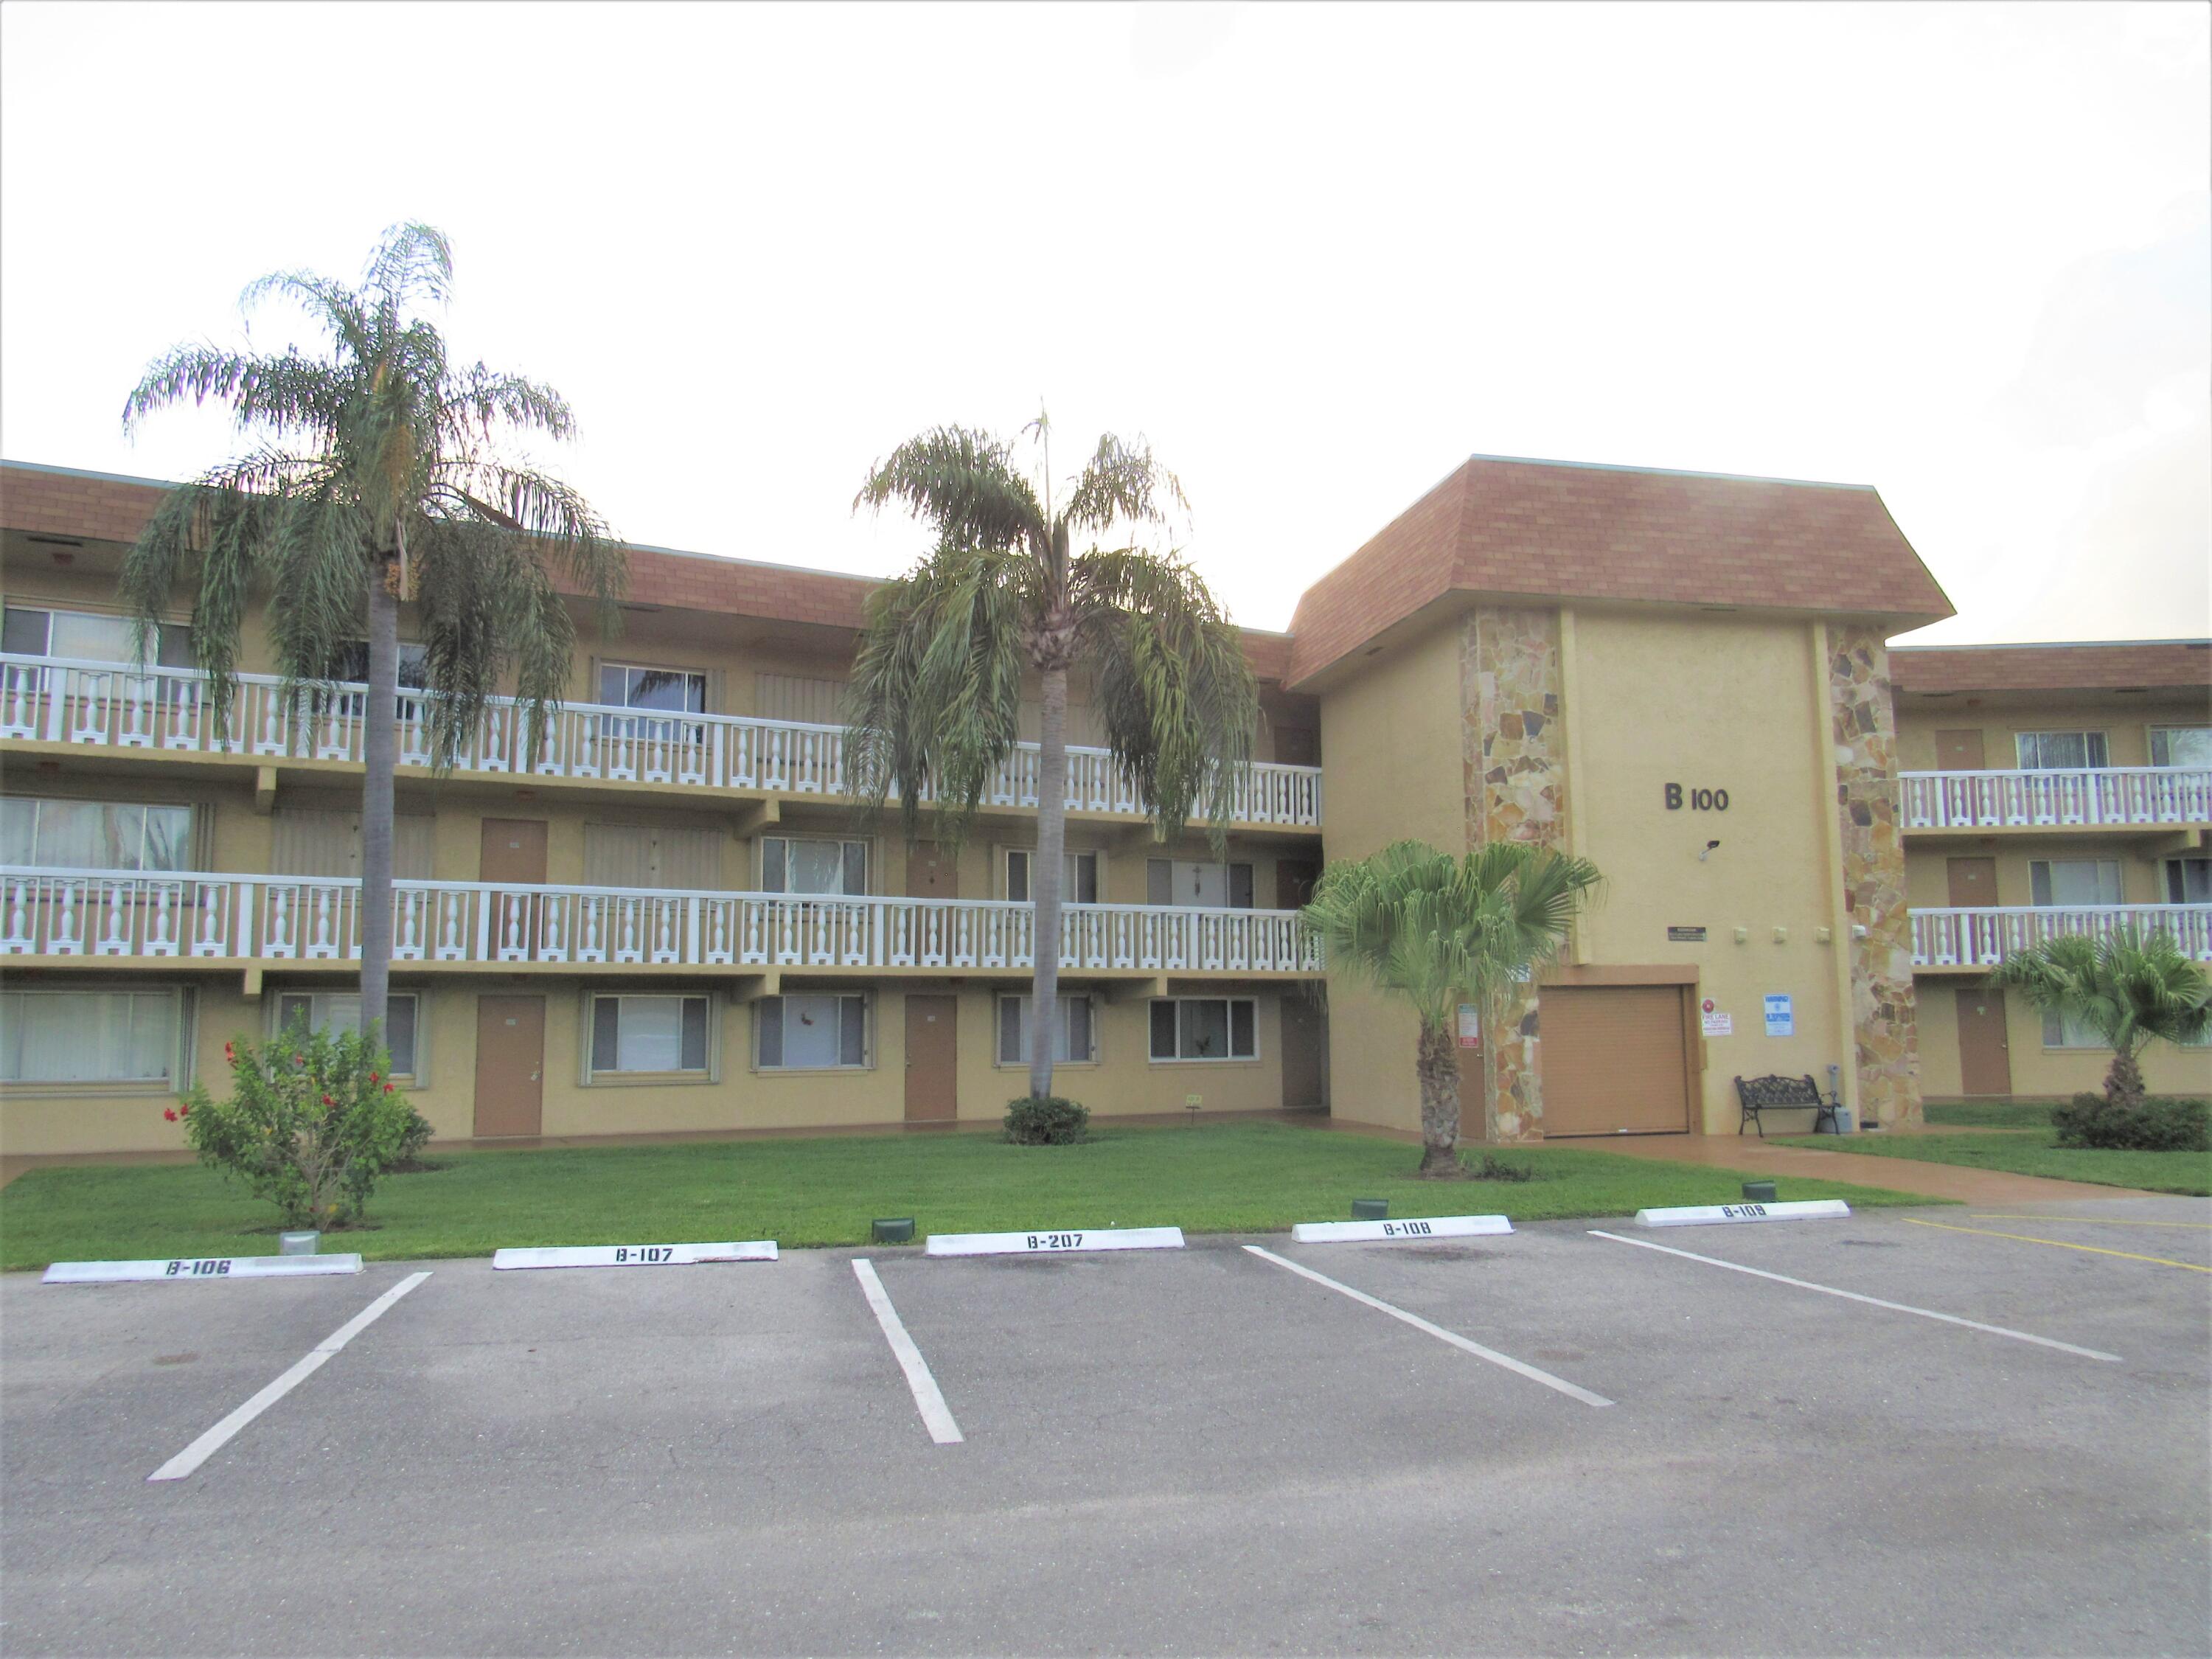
(1711, 846)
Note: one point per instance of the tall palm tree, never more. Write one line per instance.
(1434, 930)
(379, 474)
(935, 700)
(2126, 987)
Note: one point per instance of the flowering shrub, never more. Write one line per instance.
(313, 1122)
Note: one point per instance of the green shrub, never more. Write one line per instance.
(1051, 1121)
(1494, 1168)
(2156, 1124)
(312, 1124)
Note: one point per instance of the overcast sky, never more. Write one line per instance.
(1317, 254)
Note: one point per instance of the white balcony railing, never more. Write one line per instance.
(107, 913)
(1982, 937)
(1998, 800)
(110, 705)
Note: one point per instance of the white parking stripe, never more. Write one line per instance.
(1438, 1331)
(212, 1442)
(1853, 1296)
(936, 1417)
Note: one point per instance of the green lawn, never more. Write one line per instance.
(1989, 1114)
(1252, 1177)
(2031, 1151)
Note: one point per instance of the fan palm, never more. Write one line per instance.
(379, 473)
(2127, 987)
(1435, 930)
(935, 700)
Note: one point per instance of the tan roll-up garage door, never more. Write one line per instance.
(1613, 1060)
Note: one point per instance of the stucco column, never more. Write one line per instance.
(1884, 1016)
(1514, 759)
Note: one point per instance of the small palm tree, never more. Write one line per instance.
(1435, 931)
(379, 473)
(2126, 987)
(935, 700)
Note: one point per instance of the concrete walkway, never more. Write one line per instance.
(1901, 1175)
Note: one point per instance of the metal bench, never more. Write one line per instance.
(1764, 1094)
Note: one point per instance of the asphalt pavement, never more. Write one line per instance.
(1554, 1442)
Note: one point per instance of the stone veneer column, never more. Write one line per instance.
(1514, 755)
(1884, 1016)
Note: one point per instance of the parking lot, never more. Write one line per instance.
(1626, 1449)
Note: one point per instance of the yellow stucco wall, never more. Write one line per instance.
(1124, 1080)
(1390, 771)
(2036, 1067)
(1712, 702)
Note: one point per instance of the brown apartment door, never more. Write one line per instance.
(513, 854)
(1973, 882)
(932, 1060)
(1985, 1055)
(1958, 751)
(1305, 1053)
(510, 1066)
(1294, 882)
(931, 871)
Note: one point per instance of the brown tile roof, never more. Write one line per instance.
(102, 507)
(1553, 529)
(2059, 667)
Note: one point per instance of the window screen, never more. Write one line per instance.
(812, 1032)
(2074, 881)
(2181, 745)
(1204, 1028)
(1073, 1039)
(336, 1011)
(89, 1036)
(1079, 886)
(93, 835)
(2061, 751)
(648, 1034)
(838, 868)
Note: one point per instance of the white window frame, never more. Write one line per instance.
(187, 845)
(2119, 881)
(599, 689)
(183, 1042)
(845, 843)
(592, 1078)
(1228, 868)
(1228, 1020)
(2062, 1030)
(2159, 733)
(1070, 877)
(2093, 738)
(776, 1005)
(416, 1073)
(49, 610)
(1021, 999)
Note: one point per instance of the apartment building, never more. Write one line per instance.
(2048, 789)
(674, 917)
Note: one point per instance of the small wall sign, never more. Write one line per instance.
(1781, 1015)
(1686, 936)
(1470, 1026)
(1716, 1024)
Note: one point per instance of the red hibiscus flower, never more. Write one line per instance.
(170, 1113)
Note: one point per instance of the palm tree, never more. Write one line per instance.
(936, 684)
(1435, 930)
(2125, 987)
(379, 474)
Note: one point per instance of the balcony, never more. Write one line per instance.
(107, 916)
(116, 707)
(1969, 939)
(2133, 796)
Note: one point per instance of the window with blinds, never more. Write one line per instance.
(796, 697)
(313, 841)
(645, 855)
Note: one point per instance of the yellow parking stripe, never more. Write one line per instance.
(2056, 1243)
(2099, 1221)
